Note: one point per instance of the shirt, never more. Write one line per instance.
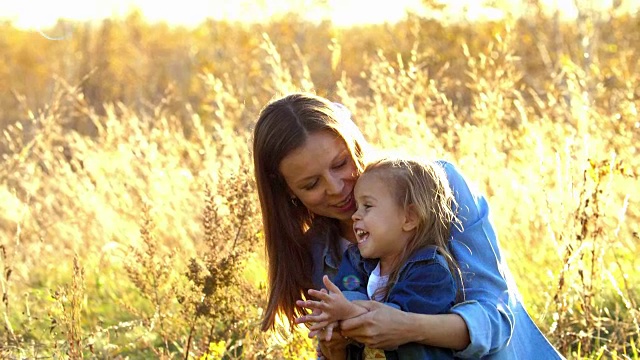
(376, 282)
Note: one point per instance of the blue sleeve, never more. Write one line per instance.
(488, 287)
(351, 276)
(427, 288)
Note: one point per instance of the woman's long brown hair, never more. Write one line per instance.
(283, 126)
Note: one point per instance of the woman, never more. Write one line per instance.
(307, 156)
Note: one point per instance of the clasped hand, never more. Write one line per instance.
(330, 308)
(368, 322)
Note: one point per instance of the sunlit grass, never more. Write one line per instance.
(120, 199)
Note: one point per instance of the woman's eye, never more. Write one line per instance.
(311, 186)
(341, 164)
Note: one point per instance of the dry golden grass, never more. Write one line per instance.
(128, 221)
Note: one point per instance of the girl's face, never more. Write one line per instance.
(381, 225)
(321, 174)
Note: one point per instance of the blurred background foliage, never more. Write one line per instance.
(128, 219)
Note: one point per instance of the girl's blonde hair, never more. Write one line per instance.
(423, 186)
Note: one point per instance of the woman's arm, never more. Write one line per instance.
(384, 327)
(490, 293)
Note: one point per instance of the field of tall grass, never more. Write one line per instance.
(129, 226)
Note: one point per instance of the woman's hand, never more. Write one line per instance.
(381, 327)
(335, 348)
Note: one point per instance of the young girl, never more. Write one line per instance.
(402, 226)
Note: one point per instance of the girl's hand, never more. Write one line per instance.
(325, 333)
(310, 318)
(331, 307)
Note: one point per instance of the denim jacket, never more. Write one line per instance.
(424, 286)
(499, 325)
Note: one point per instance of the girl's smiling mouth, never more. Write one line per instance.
(361, 235)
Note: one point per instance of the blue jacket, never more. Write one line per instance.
(424, 286)
(499, 326)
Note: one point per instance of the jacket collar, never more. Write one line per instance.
(424, 254)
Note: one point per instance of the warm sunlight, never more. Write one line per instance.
(143, 214)
(350, 12)
(43, 13)
(35, 14)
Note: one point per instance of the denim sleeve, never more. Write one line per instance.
(355, 295)
(428, 288)
(487, 308)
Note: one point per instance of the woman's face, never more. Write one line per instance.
(321, 174)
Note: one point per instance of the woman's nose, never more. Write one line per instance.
(334, 185)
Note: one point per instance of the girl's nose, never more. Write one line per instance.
(356, 215)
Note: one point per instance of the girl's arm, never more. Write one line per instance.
(425, 285)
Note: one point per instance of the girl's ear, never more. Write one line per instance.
(411, 218)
